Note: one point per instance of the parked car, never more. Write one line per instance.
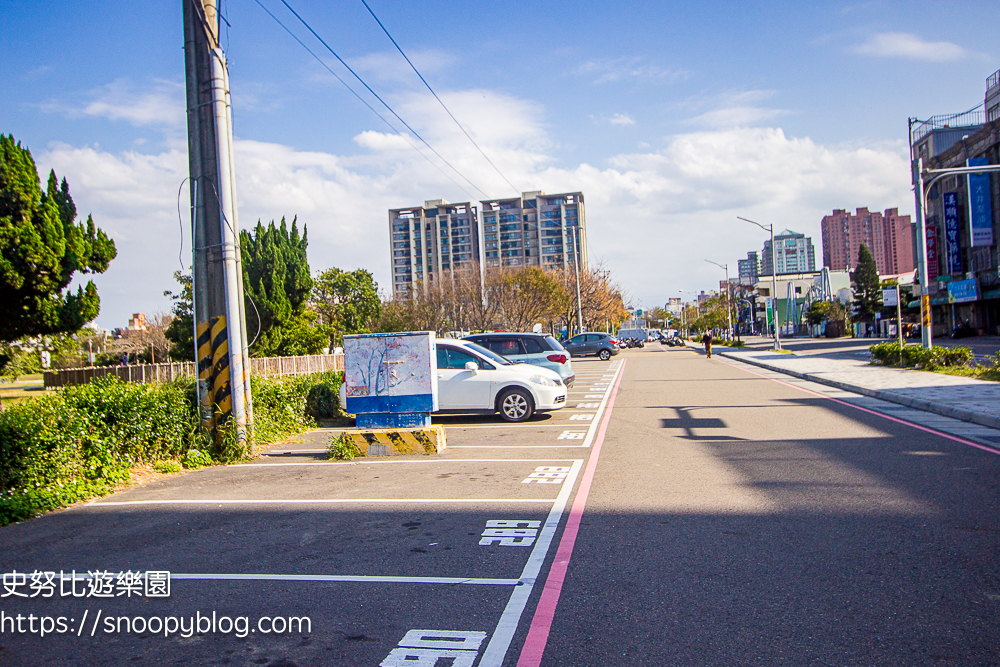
(471, 379)
(600, 344)
(529, 348)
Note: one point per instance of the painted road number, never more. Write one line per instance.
(423, 648)
(581, 418)
(510, 533)
(588, 406)
(572, 435)
(548, 475)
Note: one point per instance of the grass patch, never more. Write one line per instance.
(341, 448)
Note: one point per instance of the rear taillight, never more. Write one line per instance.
(614, 342)
(557, 358)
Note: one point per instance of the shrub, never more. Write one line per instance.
(167, 466)
(82, 441)
(915, 356)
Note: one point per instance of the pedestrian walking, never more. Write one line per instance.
(707, 342)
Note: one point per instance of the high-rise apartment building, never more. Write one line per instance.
(431, 241)
(795, 254)
(889, 238)
(749, 268)
(535, 229)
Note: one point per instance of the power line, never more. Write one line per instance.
(443, 106)
(415, 133)
(363, 101)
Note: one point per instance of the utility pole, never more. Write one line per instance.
(217, 282)
(576, 263)
(774, 281)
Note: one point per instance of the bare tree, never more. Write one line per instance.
(149, 344)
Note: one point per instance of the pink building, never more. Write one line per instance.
(889, 237)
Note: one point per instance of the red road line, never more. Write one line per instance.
(541, 622)
(871, 412)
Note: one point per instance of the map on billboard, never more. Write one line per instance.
(390, 373)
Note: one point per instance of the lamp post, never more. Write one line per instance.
(729, 295)
(774, 280)
(923, 186)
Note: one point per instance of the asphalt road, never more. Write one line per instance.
(679, 511)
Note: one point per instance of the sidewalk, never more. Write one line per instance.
(970, 400)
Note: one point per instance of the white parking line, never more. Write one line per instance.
(365, 579)
(321, 501)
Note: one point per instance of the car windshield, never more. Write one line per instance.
(489, 355)
(556, 345)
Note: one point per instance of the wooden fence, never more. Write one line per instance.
(147, 373)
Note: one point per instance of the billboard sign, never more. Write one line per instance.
(390, 373)
(980, 209)
(962, 291)
(954, 252)
(889, 296)
(932, 253)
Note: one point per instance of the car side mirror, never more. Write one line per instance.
(471, 366)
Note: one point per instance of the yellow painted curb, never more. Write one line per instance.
(396, 441)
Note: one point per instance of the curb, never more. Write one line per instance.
(398, 441)
(890, 396)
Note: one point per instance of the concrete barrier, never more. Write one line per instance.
(397, 441)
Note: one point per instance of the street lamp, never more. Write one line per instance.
(922, 188)
(729, 295)
(774, 280)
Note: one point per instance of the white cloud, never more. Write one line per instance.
(911, 47)
(653, 215)
(163, 105)
(622, 119)
(732, 109)
(638, 68)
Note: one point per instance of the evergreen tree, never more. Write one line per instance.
(180, 331)
(865, 282)
(277, 284)
(41, 248)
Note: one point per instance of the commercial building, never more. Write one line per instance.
(888, 236)
(431, 241)
(749, 269)
(795, 254)
(962, 215)
(535, 229)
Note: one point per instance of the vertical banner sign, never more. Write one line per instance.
(980, 210)
(932, 254)
(954, 252)
(769, 309)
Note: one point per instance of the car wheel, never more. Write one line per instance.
(605, 355)
(516, 405)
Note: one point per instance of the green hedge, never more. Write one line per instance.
(915, 356)
(81, 442)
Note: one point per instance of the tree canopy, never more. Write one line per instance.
(277, 284)
(180, 331)
(867, 290)
(41, 248)
(347, 301)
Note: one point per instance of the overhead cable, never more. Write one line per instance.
(440, 101)
(363, 101)
(386, 105)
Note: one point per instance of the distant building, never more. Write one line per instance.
(535, 229)
(795, 254)
(137, 322)
(674, 306)
(749, 269)
(888, 236)
(430, 241)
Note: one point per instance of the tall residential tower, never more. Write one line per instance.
(431, 241)
(535, 229)
(888, 236)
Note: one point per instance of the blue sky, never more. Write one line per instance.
(672, 118)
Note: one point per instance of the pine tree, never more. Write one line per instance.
(41, 248)
(277, 284)
(865, 282)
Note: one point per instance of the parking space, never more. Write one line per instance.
(370, 550)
